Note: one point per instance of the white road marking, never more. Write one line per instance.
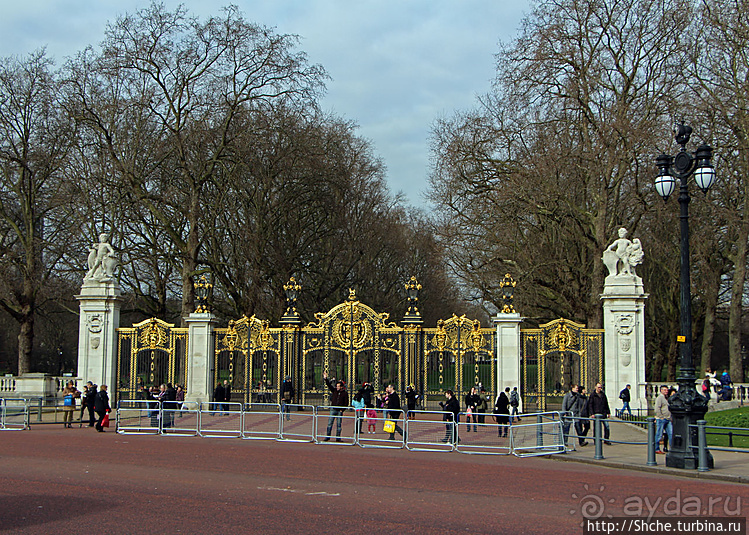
(299, 491)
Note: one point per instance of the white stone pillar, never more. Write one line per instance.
(200, 357)
(99, 304)
(624, 339)
(508, 352)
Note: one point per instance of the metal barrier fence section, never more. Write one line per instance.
(484, 438)
(340, 420)
(261, 421)
(138, 417)
(368, 428)
(427, 431)
(180, 419)
(298, 423)
(384, 428)
(14, 414)
(543, 437)
(219, 420)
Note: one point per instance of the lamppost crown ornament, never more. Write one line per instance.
(684, 165)
(203, 289)
(507, 284)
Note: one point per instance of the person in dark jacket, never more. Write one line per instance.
(101, 406)
(502, 412)
(338, 402)
(218, 398)
(624, 395)
(411, 398)
(287, 396)
(599, 404)
(90, 403)
(582, 426)
(367, 393)
(394, 410)
(472, 406)
(227, 397)
(452, 412)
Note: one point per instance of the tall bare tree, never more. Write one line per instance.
(35, 140)
(164, 96)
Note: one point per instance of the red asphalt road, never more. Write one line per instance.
(55, 480)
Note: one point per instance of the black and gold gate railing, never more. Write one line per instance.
(458, 355)
(556, 355)
(150, 353)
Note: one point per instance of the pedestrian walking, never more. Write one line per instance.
(502, 412)
(624, 395)
(663, 420)
(598, 403)
(452, 416)
(514, 403)
(101, 406)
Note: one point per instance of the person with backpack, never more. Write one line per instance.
(625, 397)
(514, 403)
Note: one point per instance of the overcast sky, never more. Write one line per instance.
(396, 65)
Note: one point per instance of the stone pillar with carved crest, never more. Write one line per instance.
(99, 304)
(624, 324)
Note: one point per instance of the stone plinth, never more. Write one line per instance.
(199, 387)
(508, 352)
(100, 304)
(624, 339)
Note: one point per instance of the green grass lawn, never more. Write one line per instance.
(729, 418)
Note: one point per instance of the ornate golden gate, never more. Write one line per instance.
(353, 343)
(459, 355)
(150, 353)
(556, 355)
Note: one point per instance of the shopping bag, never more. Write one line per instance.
(389, 426)
(105, 420)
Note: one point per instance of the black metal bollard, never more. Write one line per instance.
(539, 434)
(597, 436)
(651, 442)
(702, 464)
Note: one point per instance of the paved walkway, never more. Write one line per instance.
(729, 466)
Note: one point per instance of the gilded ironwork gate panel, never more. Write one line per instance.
(556, 355)
(248, 355)
(150, 353)
(458, 356)
(352, 343)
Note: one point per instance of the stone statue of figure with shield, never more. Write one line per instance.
(622, 256)
(102, 261)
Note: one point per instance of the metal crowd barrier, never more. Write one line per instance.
(421, 430)
(182, 419)
(487, 438)
(380, 438)
(324, 418)
(219, 420)
(14, 416)
(427, 431)
(298, 424)
(261, 421)
(138, 417)
(543, 437)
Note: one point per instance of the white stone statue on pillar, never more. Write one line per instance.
(622, 256)
(102, 261)
(624, 320)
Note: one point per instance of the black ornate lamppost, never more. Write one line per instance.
(203, 289)
(687, 405)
